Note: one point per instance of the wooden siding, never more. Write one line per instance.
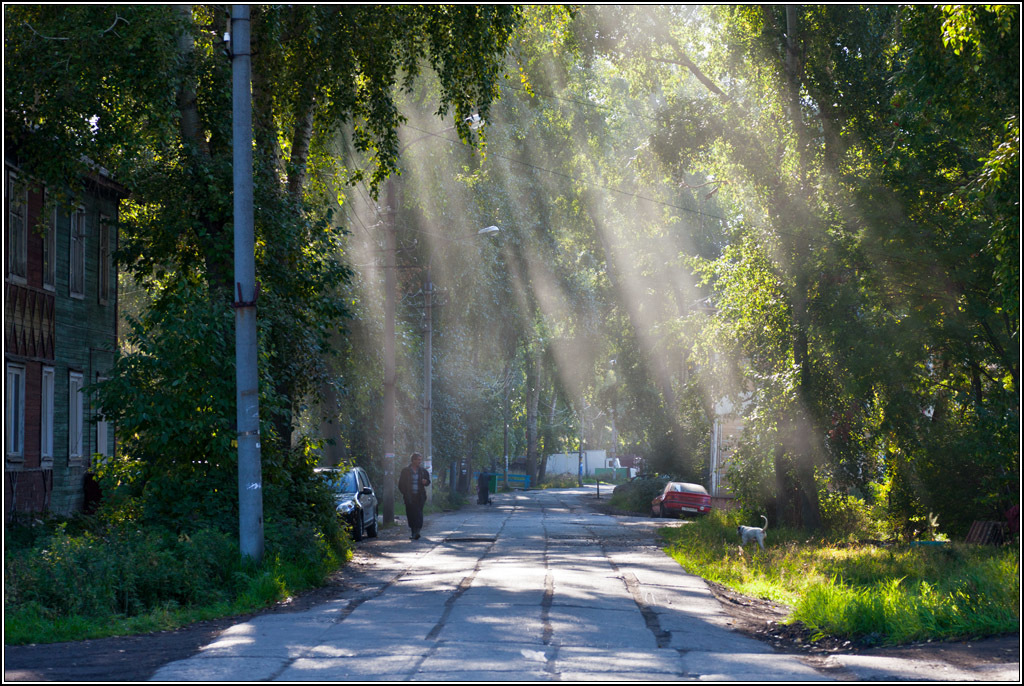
(51, 327)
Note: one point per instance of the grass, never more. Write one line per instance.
(33, 623)
(870, 593)
(74, 585)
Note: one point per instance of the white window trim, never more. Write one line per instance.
(83, 231)
(76, 419)
(14, 414)
(47, 416)
(22, 194)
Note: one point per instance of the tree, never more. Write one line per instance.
(144, 92)
(868, 284)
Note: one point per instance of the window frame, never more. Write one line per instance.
(17, 229)
(76, 252)
(47, 415)
(50, 252)
(103, 260)
(76, 418)
(102, 428)
(14, 413)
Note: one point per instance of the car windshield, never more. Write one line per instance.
(341, 483)
(685, 488)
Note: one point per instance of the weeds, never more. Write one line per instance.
(99, 580)
(870, 593)
(636, 495)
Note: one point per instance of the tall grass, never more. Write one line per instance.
(73, 584)
(870, 593)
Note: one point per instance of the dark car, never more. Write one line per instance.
(355, 498)
(680, 498)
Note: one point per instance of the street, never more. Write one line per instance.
(536, 587)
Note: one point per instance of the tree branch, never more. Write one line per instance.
(29, 26)
(684, 61)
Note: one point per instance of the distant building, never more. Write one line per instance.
(60, 334)
(569, 463)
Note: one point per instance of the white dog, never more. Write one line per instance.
(752, 533)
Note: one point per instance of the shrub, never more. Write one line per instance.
(89, 577)
(636, 495)
(847, 516)
(560, 481)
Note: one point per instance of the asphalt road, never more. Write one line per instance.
(536, 587)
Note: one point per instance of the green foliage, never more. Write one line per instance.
(160, 125)
(847, 516)
(636, 495)
(99, 579)
(560, 481)
(948, 599)
(446, 500)
(867, 303)
(872, 594)
(172, 397)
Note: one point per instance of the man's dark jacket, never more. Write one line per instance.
(405, 486)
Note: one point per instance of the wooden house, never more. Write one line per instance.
(60, 335)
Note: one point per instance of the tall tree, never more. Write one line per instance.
(145, 92)
(870, 261)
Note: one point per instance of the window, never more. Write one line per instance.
(46, 420)
(15, 413)
(102, 432)
(50, 252)
(103, 262)
(76, 272)
(17, 228)
(75, 418)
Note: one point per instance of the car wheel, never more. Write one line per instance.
(371, 530)
(357, 527)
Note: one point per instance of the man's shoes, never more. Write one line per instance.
(416, 537)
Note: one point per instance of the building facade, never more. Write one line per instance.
(60, 335)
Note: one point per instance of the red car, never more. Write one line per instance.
(680, 498)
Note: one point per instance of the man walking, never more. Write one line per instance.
(412, 483)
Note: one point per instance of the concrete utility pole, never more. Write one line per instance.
(428, 373)
(389, 354)
(250, 478)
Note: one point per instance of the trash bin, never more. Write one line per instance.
(483, 489)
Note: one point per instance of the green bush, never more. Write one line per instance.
(445, 500)
(847, 516)
(560, 481)
(92, 577)
(636, 495)
(119, 571)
